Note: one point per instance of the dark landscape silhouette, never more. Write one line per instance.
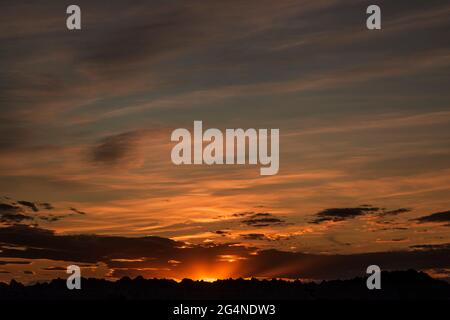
(396, 285)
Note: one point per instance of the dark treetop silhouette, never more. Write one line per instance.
(396, 285)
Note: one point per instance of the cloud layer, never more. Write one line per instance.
(153, 256)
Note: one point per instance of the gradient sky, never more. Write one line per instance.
(86, 117)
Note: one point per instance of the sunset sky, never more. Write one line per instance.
(364, 116)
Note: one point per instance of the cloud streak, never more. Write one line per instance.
(435, 217)
(341, 214)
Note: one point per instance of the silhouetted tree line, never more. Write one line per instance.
(395, 285)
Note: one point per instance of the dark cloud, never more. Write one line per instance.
(54, 269)
(46, 206)
(395, 212)
(9, 218)
(262, 220)
(5, 207)
(78, 211)
(317, 266)
(53, 218)
(399, 239)
(242, 214)
(43, 243)
(129, 255)
(440, 246)
(254, 236)
(341, 214)
(225, 225)
(435, 217)
(117, 149)
(4, 263)
(221, 232)
(10, 214)
(19, 212)
(29, 204)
